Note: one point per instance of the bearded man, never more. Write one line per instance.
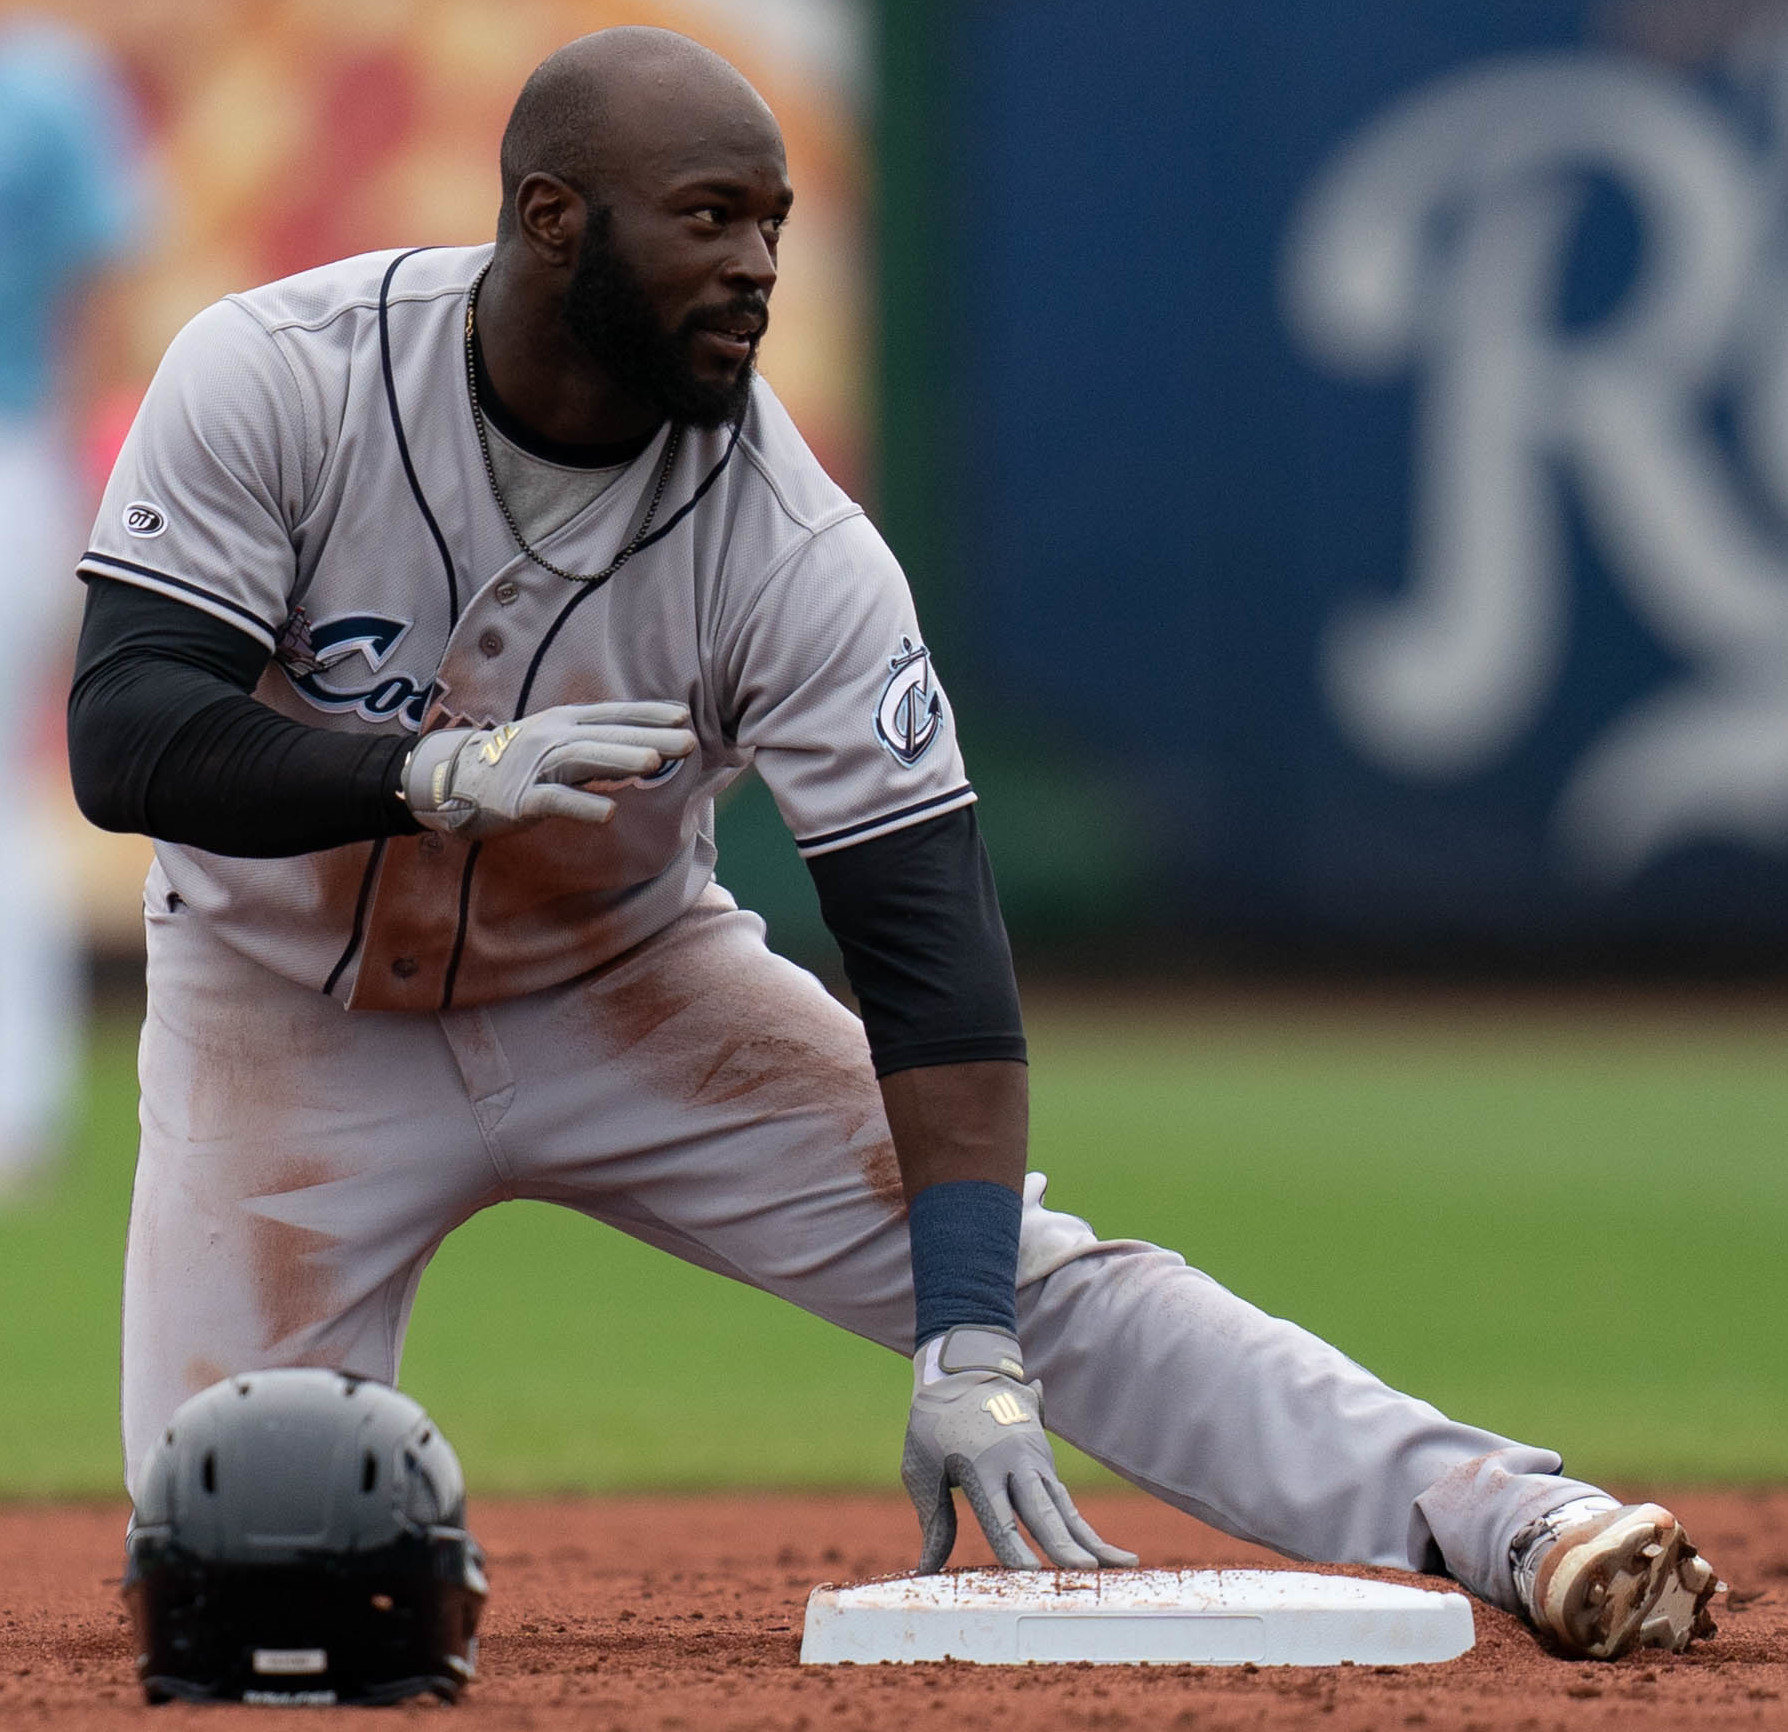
(436, 595)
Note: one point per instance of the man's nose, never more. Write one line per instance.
(752, 263)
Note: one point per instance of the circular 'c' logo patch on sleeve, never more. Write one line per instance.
(143, 520)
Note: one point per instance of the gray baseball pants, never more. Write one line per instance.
(301, 1163)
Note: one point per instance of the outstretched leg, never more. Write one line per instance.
(1260, 1428)
(1257, 1426)
(723, 1108)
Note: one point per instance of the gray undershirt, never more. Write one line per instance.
(544, 496)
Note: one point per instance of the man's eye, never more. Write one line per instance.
(776, 224)
(710, 213)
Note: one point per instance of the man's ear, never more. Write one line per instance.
(550, 217)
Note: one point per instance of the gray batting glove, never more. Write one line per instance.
(976, 1423)
(480, 782)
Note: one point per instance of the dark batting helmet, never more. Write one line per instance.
(299, 1537)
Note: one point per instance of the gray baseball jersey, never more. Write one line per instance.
(306, 466)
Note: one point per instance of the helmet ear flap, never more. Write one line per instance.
(299, 1537)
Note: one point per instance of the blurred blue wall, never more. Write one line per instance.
(1342, 453)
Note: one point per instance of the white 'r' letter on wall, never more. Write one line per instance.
(1435, 245)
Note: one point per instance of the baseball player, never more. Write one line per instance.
(436, 595)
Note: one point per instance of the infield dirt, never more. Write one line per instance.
(683, 1614)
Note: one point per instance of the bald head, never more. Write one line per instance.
(644, 193)
(624, 100)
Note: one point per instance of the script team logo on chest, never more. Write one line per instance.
(315, 659)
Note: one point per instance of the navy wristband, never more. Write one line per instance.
(965, 1257)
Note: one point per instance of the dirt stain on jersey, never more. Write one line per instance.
(295, 1283)
(336, 875)
(881, 1168)
(251, 1061)
(532, 907)
(1459, 1496)
(705, 1016)
(202, 1373)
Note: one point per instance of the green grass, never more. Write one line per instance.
(1572, 1232)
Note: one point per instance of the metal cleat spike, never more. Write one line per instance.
(1654, 1550)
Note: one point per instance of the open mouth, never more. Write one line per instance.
(734, 335)
(734, 345)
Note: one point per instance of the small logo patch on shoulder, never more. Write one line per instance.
(911, 710)
(143, 520)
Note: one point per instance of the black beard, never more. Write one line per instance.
(610, 317)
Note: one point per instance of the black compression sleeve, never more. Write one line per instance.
(917, 919)
(164, 739)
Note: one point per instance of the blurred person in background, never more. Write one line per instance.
(69, 204)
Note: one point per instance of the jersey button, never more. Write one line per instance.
(431, 843)
(491, 643)
(506, 591)
(404, 967)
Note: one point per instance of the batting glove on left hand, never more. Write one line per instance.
(975, 1423)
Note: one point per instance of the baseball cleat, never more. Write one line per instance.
(1618, 1579)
